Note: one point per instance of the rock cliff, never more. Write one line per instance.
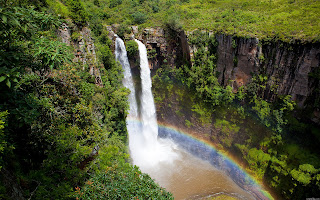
(290, 69)
(84, 49)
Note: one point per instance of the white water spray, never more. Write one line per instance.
(145, 148)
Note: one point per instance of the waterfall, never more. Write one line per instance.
(148, 110)
(133, 128)
(121, 56)
(146, 149)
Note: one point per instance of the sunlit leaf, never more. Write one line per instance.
(8, 83)
(4, 19)
(2, 78)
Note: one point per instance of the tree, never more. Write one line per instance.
(258, 161)
(132, 48)
(78, 13)
(139, 17)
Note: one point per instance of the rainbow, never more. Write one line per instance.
(218, 159)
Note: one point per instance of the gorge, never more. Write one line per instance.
(183, 165)
(157, 99)
(173, 111)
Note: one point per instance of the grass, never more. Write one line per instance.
(284, 19)
(287, 20)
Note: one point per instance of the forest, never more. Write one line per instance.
(63, 128)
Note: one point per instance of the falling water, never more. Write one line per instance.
(121, 56)
(148, 110)
(145, 148)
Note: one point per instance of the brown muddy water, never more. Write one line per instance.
(189, 177)
(192, 178)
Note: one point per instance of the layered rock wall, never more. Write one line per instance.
(288, 67)
(162, 49)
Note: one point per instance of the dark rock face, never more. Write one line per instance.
(162, 50)
(236, 62)
(287, 67)
(156, 44)
(290, 68)
(64, 33)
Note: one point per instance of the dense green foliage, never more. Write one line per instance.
(59, 126)
(122, 183)
(4, 147)
(132, 48)
(77, 11)
(282, 19)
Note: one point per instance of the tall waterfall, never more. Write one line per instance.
(148, 110)
(146, 149)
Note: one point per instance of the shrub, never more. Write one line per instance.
(173, 25)
(199, 38)
(87, 90)
(139, 18)
(132, 48)
(59, 8)
(258, 161)
(78, 12)
(96, 2)
(114, 3)
(75, 36)
(106, 56)
(117, 183)
(188, 123)
(122, 30)
(155, 8)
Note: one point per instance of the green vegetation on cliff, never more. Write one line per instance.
(289, 166)
(279, 150)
